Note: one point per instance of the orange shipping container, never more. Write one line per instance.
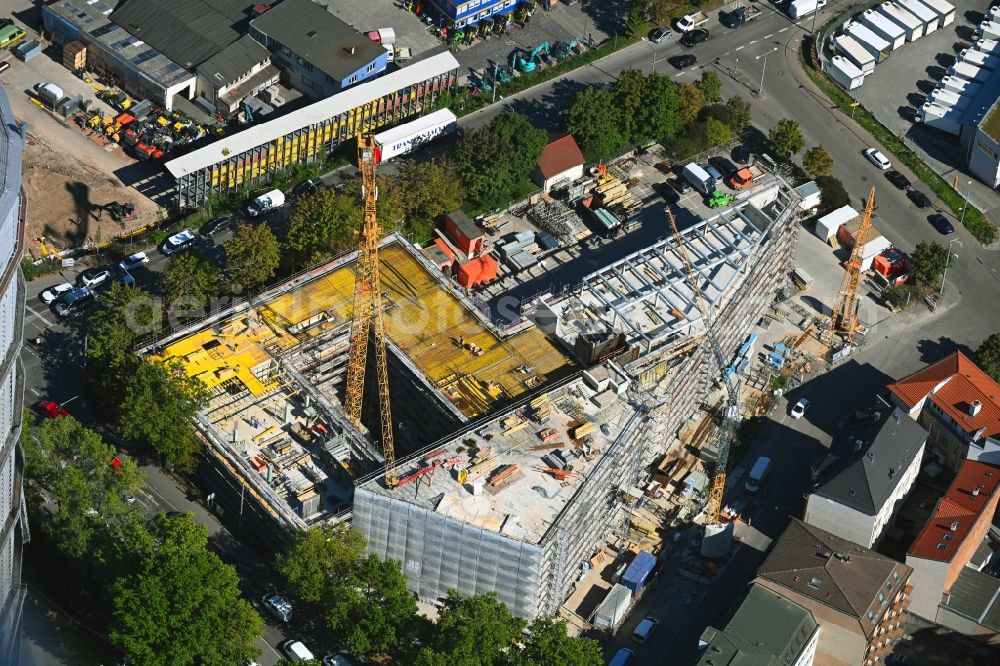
(882, 264)
(479, 270)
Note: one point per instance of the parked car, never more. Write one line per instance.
(660, 34)
(683, 61)
(177, 242)
(741, 155)
(899, 180)
(800, 408)
(668, 193)
(133, 261)
(277, 606)
(681, 185)
(644, 629)
(66, 304)
(52, 293)
(714, 173)
(694, 37)
(307, 186)
(123, 278)
(877, 158)
(941, 223)
(336, 660)
(919, 199)
(50, 409)
(725, 167)
(216, 225)
(93, 277)
(296, 650)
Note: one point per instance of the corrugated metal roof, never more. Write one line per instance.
(313, 114)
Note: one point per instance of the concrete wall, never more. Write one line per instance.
(984, 158)
(808, 655)
(565, 177)
(928, 580)
(841, 520)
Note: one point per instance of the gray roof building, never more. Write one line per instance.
(231, 63)
(318, 37)
(973, 603)
(766, 630)
(878, 452)
(188, 32)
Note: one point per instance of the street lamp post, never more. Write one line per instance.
(652, 62)
(966, 206)
(496, 84)
(947, 262)
(760, 90)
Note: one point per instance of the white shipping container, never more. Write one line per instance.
(947, 99)
(959, 85)
(944, 9)
(948, 121)
(927, 16)
(846, 73)
(878, 47)
(872, 249)
(613, 609)
(979, 59)
(988, 46)
(885, 28)
(409, 136)
(850, 49)
(911, 24)
(988, 30)
(827, 226)
(969, 72)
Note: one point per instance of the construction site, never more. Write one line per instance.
(512, 455)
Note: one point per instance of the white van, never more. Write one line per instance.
(758, 474)
(699, 178)
(644, 629)
(296, 650)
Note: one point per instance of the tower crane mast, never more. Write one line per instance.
(731, 415)
(368, 314)
(844, 318)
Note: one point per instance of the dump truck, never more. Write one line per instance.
(739, 16)
(692, 21)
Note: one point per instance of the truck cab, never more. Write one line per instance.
(691, 21)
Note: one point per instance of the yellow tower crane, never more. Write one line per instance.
(368, 312)
(844, 318)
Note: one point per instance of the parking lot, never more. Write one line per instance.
(898, 87)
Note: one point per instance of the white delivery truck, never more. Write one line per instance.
(265, 202)
(758, 474)
(800, 8)
(410, 136)
(699, 178)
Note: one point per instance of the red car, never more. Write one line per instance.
(50, 409)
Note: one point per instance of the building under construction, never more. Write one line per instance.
(514, 463)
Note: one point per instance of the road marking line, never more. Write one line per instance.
(726, 53)
(752, 42)
(783, 29)
(37, 314)
(35, 391)
(769, 36)
(738, 48)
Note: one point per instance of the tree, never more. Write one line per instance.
(928, 261)
(832, 193)
(322, 223)
(88, 491)
(371, 607)
(660, 115)
(190, 279)
(734, 113)
(631, 96)
(549, 645)
(183, 605)
(158, 409)
(988, 356)
(252, 255)
(319, 558)
(710, 85)
(474, 631)
(427, 190)
(637, 18)
(690, 101)
(495, 162)
(595, 122)
(786, 138)
(716, 133)
(817, 162)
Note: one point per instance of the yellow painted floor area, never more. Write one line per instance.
(447, 343)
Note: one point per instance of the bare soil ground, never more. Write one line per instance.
(65, 196)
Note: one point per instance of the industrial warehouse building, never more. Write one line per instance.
(308, 134)
(473, 510)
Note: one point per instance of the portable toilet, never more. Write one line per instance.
(927, 16)
(846, 73)
(884, 28)
(848, 47)
(911, 24)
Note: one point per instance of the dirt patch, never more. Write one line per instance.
(66, 199)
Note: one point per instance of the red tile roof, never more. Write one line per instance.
(960, 506)
(961, 381)
(559, 155)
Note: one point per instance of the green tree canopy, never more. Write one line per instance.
(710, 85)
(660, 116)
(427, 190)
(716, 132)
(183, 605)
(817, 162)
(690, 101)
(595, 122)
(786, 138)
(832, 193)
(252, 255)
(549, 645)
(474, 631)
(322, 223)
(190, 279)
(371, 607)
(158, 409)
(631, 94)
(734, 113)
(318, 558)
(988, 356)
(928, 261)
(496, 162)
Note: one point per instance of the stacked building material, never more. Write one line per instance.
(560, 220)
(611, 193)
